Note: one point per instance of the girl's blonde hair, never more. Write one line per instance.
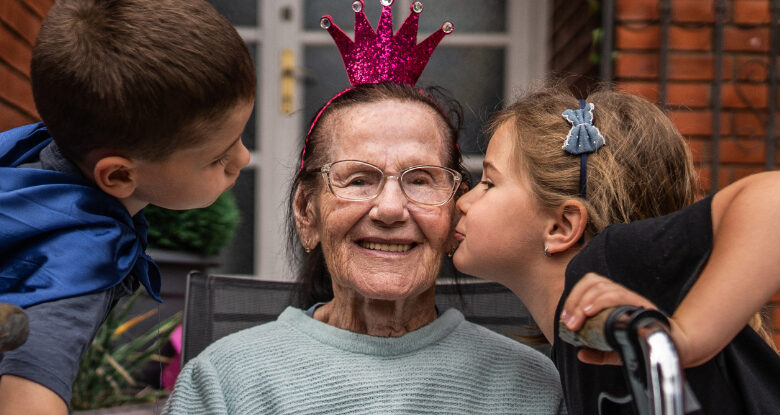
(644, 170)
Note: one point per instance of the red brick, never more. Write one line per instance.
(688, 95)
(40, 7)
(742, 151)
(737, 39)
(751, 68)
(776, 338)
(636, 10)
(751, 12)
(648, 90)
(695, 67)
(747, 123)
(677, 94)
(693, 11)
(776, 298)
(15, 52)
(16, 90)
(637, 37)
(692, 122)
(644, 37)
(744, 95)
(681, 10)
(690, 38)
(11, 117)
(636, 65)
(21, 19)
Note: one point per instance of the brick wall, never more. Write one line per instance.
(691, 72)
(20, 21)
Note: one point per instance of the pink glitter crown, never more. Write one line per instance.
(379, 56)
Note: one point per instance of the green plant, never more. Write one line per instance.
(200, 231)
(108, 372)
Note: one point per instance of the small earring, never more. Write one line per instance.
(450, 254)
(547, 254)
(306, 248)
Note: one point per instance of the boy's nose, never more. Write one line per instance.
(243, 157)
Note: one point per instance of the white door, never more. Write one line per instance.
(498, 46)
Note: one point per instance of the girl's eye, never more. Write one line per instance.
(487, 184)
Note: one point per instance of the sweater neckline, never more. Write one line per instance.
(349, 341)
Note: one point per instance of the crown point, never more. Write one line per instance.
(447, 27)
(325, 23)
(417, 7)
(386, 3)
(357, 6)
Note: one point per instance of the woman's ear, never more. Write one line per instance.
(305, 219)
(567, 227)
(115, 175)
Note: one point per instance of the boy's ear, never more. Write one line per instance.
(305, 220)
(115, 175)
(567, 227)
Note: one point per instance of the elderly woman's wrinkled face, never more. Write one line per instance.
(386, 248)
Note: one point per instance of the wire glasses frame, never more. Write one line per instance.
(424, 184)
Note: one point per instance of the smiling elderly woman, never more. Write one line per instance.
(373, 207)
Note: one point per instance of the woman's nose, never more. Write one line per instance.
(390, 204)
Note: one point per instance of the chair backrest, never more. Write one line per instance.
(218, 305)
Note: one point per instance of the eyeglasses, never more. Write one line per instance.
(424, 185)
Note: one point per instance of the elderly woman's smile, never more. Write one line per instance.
(397, 247)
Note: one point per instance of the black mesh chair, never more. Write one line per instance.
(217, 305)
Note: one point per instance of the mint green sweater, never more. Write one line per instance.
(299, 365)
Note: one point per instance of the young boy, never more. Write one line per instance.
(142, 101)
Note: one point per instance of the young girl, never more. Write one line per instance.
(556, 174)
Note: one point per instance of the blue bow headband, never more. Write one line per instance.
(583, 138)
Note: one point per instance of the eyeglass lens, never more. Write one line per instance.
(359, 181)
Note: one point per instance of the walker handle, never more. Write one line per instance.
(651, 363)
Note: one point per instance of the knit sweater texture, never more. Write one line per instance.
(299, 365)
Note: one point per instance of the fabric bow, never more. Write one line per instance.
(583, 137)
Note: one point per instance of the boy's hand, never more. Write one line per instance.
(590, 295)
(14, 327)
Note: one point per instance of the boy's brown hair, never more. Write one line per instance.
(136, 78)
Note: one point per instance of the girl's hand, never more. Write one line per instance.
(590, 295)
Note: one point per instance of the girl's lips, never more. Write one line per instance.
(459, 236)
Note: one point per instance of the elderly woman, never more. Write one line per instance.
(373, 207)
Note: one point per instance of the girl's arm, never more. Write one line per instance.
(741, 275)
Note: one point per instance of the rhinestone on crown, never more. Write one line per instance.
(380, 56)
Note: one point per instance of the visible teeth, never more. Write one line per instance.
(376, 246)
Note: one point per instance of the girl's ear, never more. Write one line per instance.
(305, 220)
(567, 227)
(115, 175)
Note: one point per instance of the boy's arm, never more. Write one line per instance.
(21, 396)
(741, 275)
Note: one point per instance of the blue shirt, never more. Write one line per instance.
(60, 235)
